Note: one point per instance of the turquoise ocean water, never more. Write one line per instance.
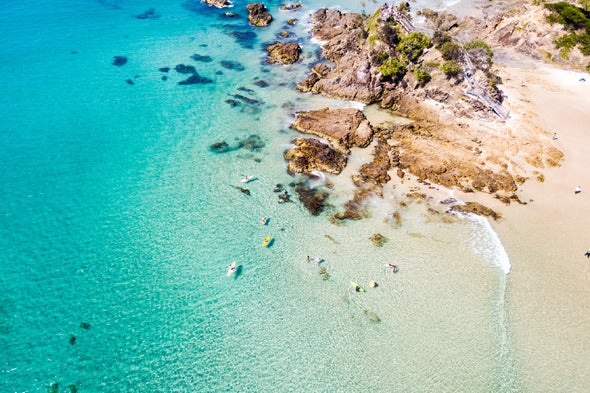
(116, 213)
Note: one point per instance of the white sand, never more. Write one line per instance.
(549, 287)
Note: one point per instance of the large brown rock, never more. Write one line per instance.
(344, 128)
(312, 155)
(283, 52)
(257, 14)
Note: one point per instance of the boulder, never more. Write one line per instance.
(309, 155)
(344, 128)
(257, 15)
(285, 53)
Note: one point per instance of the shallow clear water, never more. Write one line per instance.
(115, 212)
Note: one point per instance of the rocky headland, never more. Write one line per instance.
(444, 80)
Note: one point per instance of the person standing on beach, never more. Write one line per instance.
(587, 255)
(577, 190)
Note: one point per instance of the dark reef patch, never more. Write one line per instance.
(119, 60)
(184, 69)
(149, 14)
(248, 100)
(232, 65)
(244, 38)
(201, 58)
(195, 79)
(252, 143)
(313, 199)
(232, 103)
(220, 147)
(164, 69)
(261, 83)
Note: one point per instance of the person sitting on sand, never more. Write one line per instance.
(578, 190)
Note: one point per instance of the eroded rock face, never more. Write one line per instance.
(285, 53)
(344, 128)
(312, 155)
(257, 14)
(331, 23)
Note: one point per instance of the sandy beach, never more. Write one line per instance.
(549, 287)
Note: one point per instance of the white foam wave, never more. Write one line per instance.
(486, 243)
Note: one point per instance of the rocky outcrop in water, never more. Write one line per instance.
(257, 14)
(344, 128)
(218, 3)
(283, 52)
(310, 155)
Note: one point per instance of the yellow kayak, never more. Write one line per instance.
(266, 241)
(357, 287)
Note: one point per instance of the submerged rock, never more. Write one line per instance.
(85, 325)
(373, 317)
(220, 147)
(378, 240)
(149, 14)
(184, 69)
(195, 79)
(164, 69)
(312, 155)
(246, 39)
(119, 60)
(72, 339)
(204, 59)
(252, 143)
(232, 65)
(314, 200)
(232, 103)
(244, 191)
(248, 100)
(261, 83)
(283, 52)
(129, 81)
(257, 14)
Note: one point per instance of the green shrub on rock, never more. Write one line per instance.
(479, 44)
(393, 67)
(413, 45)
(452, 68)
(450, 50)
(422, 76)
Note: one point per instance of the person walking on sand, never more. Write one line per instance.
(307, 259)
(587, 255)
(577, 190)
(554, 137)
